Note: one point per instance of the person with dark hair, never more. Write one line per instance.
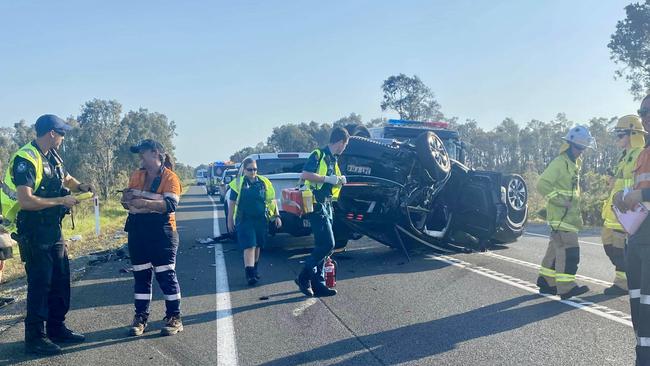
(35, 197)
(323, 177)
(152, 198)
(637, 252)
(251, 206)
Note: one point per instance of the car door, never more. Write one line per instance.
(478, 207)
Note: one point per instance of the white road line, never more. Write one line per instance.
(226, 348)
(536, 266)
(590, 307)
(547, 237)
(304, 306)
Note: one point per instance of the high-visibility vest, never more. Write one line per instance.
(8, 195)
(322, 170)
(559, 183)
(642, 170)
(269, 196)
(624, 178)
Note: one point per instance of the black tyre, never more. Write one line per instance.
(516, 199)
(433, 155)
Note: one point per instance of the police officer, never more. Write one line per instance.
(637, 254)
(559, 183)
(35, 197)
(251, 206)
(323, 176)
(630, 138)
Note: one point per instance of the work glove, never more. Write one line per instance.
(331, 179)
(342, 180)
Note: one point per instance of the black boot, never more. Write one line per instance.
(544, 287)
(250, 276)
(321, 290)
(257, 275)
(303, 282)
(36, 342)
(61, 334)
(575, 291)
(615, 290)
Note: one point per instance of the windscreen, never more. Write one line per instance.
(277, 166)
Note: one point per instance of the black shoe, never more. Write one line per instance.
(576, 291)
(615, 290)
(173, 325)
(321, 290)
(138, 326)
(42, 346)
(255, 273)
(250, 276)
(303, 283)
(545, 288)
(64, 335)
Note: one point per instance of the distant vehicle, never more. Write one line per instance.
(408, 185)
(215, 173)
(226, 177)
(283, 170)
(201, 177)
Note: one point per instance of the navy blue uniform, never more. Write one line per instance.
(252, 226)
(47, 265)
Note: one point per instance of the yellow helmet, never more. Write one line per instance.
(631, 123)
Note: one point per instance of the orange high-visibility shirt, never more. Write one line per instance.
(169, 188)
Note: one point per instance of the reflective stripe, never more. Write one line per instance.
(643, 177)
(166, 267)
(141, 267)
(621, 275)
(143, 297)
(173, 297)
(635, 294)
(547, 272)
(565, 277)
(172, 196)
(147, 195)
(645, 299)
(643, 341)
(561, 192)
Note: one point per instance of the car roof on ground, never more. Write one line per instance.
(411, 132)
(283, 155)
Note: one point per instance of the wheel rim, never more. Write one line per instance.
(517, 193)
(439, 153)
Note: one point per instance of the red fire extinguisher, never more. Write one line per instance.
(330, 273)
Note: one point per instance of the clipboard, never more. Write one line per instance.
(631, 220)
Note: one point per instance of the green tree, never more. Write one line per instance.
(630, 46)
(240, 155)
(23, 133)
(96, 144)
(410, 98)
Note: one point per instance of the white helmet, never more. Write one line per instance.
(580, 135)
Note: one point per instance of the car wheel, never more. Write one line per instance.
(516, 199)
(433, 155)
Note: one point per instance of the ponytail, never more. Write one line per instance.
(167, 161)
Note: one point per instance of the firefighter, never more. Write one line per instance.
(251, 206)
(35, 197)
(631, 138)
(637, 253)
(559, 184)
(323, 176)
(152, 198)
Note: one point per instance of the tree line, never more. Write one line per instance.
(97, 149)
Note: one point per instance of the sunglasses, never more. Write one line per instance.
(250, 170)
(643, 112)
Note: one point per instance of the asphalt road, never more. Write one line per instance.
(465, 309)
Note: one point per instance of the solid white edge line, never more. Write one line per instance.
(548, 237)
(226, 347)
(535, 291)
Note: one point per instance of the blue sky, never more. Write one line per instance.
(228, 72)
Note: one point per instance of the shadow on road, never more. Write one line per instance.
(397, 346)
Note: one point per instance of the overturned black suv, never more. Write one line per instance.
(408, 186)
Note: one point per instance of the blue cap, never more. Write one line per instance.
(50, 122)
